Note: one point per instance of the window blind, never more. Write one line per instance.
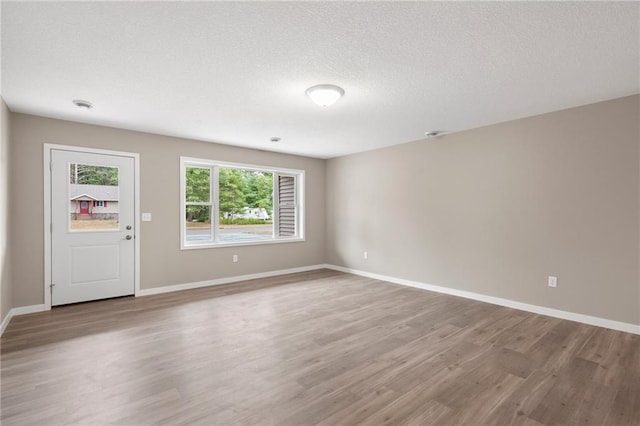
(286, 206)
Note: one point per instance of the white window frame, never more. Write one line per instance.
(214, 166)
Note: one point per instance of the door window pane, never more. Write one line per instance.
(93, 198)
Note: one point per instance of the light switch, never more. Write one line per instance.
(146, 217)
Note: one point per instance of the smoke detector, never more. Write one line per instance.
(82, 104)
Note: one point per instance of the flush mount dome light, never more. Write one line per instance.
(325, 94)
(82, 104)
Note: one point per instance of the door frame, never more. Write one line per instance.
(47, 211)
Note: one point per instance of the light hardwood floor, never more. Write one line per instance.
(313, 348)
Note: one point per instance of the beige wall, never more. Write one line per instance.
(497, 209)
(162, 261)
(5, 264)
(493, 210)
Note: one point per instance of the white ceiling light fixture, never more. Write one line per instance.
(82, 104)
(325, 94)
(390, 78)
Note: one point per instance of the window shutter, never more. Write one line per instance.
(104, 204)
(286, 206)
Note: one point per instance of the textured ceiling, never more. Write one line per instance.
(236, 73)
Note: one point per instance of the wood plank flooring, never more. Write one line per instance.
(316, 348)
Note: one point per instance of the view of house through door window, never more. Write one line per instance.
(93, 198)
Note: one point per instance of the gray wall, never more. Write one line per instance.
(5, 263)
(496, 210)
(493, 210)
(162, 261)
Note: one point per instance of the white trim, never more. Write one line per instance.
(196, 246)
(22, 310)
(214, 199)
(5, 322)
(556, 313)
(83, 195)
(227, 280)
(47, 147)
(536, 309)
(137, 213)
(31, 309)
(203, 162)
(183, 196)
(168, 289)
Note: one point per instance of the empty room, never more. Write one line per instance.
(320, 213)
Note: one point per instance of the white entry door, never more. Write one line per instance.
(93, 226)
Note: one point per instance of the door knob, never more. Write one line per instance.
(128, 237)
(128, 227)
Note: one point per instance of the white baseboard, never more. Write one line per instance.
(167, 289)
(227, 280)
(5, 322)
(22, 310)
(572, 316)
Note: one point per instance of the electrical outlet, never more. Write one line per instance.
(365, 255)
(235, 258)
(553, 281)
(146, 217)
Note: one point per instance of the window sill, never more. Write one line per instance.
(240, 243)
